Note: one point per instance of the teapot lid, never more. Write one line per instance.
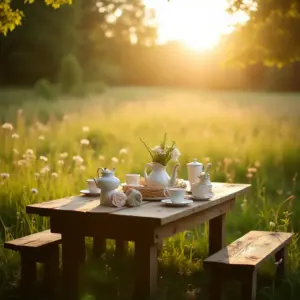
(194, 163)
(107, 171)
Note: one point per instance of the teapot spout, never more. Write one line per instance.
(174, 176)
(96, 182)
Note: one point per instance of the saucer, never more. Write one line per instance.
(168, 202)
(88, 193)
(199, 199)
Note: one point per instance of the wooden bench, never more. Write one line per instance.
(240, 260)
(42, 247)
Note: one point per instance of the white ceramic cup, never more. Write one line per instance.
(200, 191)
(92, 187)
(176, 194)
(133, 179)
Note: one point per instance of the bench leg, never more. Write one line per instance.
(281, 259)
(99, 246)
(249, 280)
(28, 276)
(216, 285)
(121, 248)
(145, 270)
(51, 268)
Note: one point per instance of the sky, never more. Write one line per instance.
(199, 24)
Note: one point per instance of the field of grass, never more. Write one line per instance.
(54, 146)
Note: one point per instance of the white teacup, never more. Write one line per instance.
(92, 186)
(176, 194)
(133, 179)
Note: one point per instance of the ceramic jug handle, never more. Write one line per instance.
(145, 170)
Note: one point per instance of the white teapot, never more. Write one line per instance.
(202, 189)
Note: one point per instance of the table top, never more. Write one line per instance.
(154, 211)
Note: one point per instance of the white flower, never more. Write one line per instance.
(43, 158)
(101, 157)
(85, 129)
(115, 160)
(37, 174)
(123, 151)
(15, 151)
(34, 191)
(45, 170)
(84, 142)
(54, 175)
(78, 159)
(29, 152)
(158, 150)
(272, 224)
(41, 138)
(15, 136)
(63, 155)
(7, 126)
(175, 154)
(4, 175)
(22, 162)
(60, 162)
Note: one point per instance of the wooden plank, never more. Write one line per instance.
(192, 221)
(35, 240)
(251, 249)
(157, 214)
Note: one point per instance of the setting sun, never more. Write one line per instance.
(197, 24)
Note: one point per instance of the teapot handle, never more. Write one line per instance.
(145, 170)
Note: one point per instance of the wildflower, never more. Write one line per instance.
(37, 175)
(60, 162)
(252, 170)
(45, 170)
(85, 129)
(41, 138)
(158, 150)
(29, 152)
(115, 160)
(63, 155)
(101, 157)
(78, 159)
(4, 175)
(82, 168)
(257, 164)
(175, 154)
(54, 175)
(123, 151)
(85, 142)
(207, 159)
(22, 162)
(15, 151)
(272, 224)
(34, 191)
(15, 136)
(249, 175)
(43, 158)
(7, 126)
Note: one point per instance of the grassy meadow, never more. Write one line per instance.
(49, 148)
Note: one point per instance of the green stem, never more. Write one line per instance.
(147, 147)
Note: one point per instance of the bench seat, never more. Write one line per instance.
(241, 259)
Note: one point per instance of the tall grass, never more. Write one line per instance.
(248, 137)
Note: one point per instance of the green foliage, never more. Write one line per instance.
(11, 18)
(70, 74)
(45, 89)
(271, 35)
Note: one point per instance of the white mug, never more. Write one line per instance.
(201, 191)
(133, 179)
(176, 194)
(92, 186)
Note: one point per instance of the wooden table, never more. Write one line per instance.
(80, 216)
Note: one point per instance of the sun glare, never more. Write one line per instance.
(198, 24)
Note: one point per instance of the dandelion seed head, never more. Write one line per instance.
(4, 175)
(78, 159)
(123, 151)
(45, 170)
(22, 162)
(34, 191)
(43, 158)
(63, 155)
(15, 136)
(54, 175)
(7, 126)
(85, 142)
(60, 162)
(115, 160)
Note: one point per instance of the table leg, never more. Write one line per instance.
(217, 234)
(73, 254)
(145, 270)
(121, 248)
(99, 246)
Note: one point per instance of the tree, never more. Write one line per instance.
(11, 17)
(270, 36)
